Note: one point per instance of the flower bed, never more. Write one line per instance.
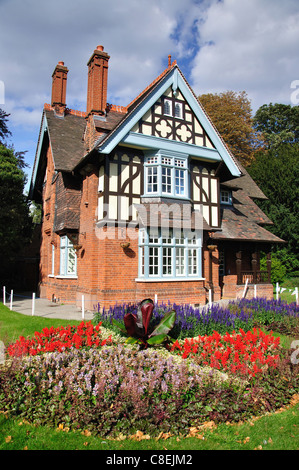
(245, 353)
(58, 339)
(191, 321)
(86, 378)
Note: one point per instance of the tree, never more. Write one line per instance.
(276, 171)
(232, 115)
(4, 132)
(15, 221)
(279, 123)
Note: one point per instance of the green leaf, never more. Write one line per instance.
(132, 340)
(119, 325)
(166, 324)
(157, 339)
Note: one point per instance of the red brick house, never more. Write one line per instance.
(144, 200)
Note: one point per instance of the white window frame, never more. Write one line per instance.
(171, 175)
(66, 252)
(180, 107)
(169, 255)
(167, 103)
(52, 259)
(226, 197)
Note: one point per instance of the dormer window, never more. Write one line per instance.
(226, 197)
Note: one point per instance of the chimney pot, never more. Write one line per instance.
(97, 82)
(59, 80)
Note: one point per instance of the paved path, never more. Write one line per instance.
(46, 308)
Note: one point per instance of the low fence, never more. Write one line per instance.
(9, 297)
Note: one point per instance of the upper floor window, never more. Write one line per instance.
(68, 258)
(174, 109)
(178, 110)
(168, 107)
(225, 196)
(166, 175)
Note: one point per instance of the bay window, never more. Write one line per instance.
(166, 175)
(169, 254)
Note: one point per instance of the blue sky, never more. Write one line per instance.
(238, 45)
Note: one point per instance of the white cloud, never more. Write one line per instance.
(248, 45)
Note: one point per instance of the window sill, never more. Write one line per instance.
(159, 279)
(66, 277)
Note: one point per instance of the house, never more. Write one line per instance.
(144, 200)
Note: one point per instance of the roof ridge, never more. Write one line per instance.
(74, 112)
(157, 79)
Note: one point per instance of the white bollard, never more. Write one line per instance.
(255, 291)
(245, 288)
(210, 297)
(156, 299)
(277, 291)
(4, 295)
(83, 307)
(11, 300)
(33, 303)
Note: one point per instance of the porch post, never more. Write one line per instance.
(269, 266)
(239, 267)
(254, 266)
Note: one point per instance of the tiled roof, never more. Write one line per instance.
(66, 137)
(236, 225)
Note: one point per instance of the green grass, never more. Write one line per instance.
(13, 324)
(288, 284)
(276, 431)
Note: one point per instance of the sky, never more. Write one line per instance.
(219, 45)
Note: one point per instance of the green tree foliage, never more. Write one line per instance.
(15, 222)
(231, 113)
(279, 123)
(4, 132)
(276, 171)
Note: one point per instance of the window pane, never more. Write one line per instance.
(179, 182)
(178, 110)
(167, 107)
(166, 180)
(192, 261)
(179, 238)
(62, 260)
(167, 236)
(167, 265)
(71, 261)
(166, 161)
(153, 261)
(142, 261)
(152, 179)
(179, 163)
(180, 261)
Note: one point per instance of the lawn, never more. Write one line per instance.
(275, 431)
(261, 430)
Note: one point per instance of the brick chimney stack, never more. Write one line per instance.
(59, 79)
(97, 82)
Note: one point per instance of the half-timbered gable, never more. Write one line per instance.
(143, 200)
